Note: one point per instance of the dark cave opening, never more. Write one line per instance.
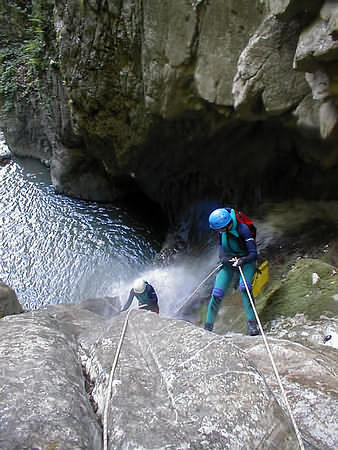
(142, 207)
(244, 165)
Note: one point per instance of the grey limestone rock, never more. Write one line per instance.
(174, 386)
(43, 397)
(121, 80)
(262, 85)
(9, 303)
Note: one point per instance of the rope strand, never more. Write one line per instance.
(301, 446)
(123, 332)
(111, 376)
(198, 287)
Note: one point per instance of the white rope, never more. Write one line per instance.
(111, 376)
(123, 332)
(273, 363)
(198, 287)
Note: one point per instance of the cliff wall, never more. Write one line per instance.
(230, 100)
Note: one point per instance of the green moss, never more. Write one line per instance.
(297, 293)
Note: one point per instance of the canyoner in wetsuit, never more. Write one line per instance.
(145, 294)
(236, 241)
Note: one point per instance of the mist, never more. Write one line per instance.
(175, 283)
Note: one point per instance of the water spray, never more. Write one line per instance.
(198, 287)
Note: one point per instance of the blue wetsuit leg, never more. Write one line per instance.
(248, 271)
(222, 283)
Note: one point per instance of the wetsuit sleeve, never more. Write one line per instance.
(129, 301)
(221, 252)
(250, 244)
(151, 293)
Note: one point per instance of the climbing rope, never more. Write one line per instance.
(184, 303)
(111, 376)
(273, 362)
(123, 332)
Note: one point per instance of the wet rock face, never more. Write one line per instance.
(154, 95)
(175, 384)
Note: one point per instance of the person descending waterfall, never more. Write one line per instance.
(236, 241)
(145, 294)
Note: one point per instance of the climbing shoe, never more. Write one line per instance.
(208, 326)
(253, 329)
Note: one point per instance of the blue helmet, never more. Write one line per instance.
(219, 218)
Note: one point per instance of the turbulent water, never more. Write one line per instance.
(57, 250)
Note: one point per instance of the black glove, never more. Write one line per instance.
(235, 262)
(226, 262)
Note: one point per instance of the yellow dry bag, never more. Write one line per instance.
(260, 278)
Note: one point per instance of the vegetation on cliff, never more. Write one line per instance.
(23, 55)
